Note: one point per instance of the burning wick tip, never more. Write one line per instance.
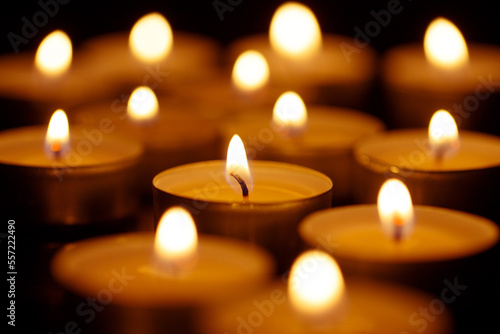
(243, 185)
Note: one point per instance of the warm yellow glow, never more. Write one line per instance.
(142, 105)
(395, 209)
(444, 45)
(53, 56)
(151, 38)
(250, 71)
(290, 115)
(316, 287)
(176, 241)
(443, 134)
(237, 166)
(294, 31)
(57, 137)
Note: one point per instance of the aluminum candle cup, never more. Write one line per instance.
(325, 146)
(373, 307)
(337, 79)
(118, 274)
(282, 195)
(91, 185)
(178, 135)
(468, 181)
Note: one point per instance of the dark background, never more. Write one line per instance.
(478, 20)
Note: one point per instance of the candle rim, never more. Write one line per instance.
(253, 165)
(372, 162)
(144, 240)
(36, 133)
(305, 230)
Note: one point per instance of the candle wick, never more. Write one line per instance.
(243, 185)
(439, 155)
(398, 228)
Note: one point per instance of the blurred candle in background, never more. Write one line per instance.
(303, 59)
(445, 72)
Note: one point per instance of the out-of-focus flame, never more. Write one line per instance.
(57, 137)
(294, 31)
(443, 135)
(316, 287)
(444, 45)
(250, 71)
(395, 209)
(142, 105)
(290, 115)
(53, 57)
(176, 242)
(151, 38)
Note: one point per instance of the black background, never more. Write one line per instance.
(478, 20)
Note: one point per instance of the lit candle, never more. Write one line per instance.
(263, 204)
(301, 58)
(436, 164)
(397, 241)
(68, 175)
(173, 133)
(317, 300)
(157, 281)
(38, 83)
(319, 137)
(444, 72)
(245, 85)
(151, 54)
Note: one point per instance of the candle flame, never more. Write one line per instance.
(316, 286)
(176, 242)
(54, 54)
(57, 137)
(444, 45)
(237, 170)
(443, 135)
(250, 71)
(294, 31)
(290, 115)
(142, 105)
(151, 38)
(395, 209)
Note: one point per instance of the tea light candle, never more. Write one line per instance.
(51, 78)
(160, 277)
(267, 213)
(84, 181)
(448, 73)
(173, 133)
(416, 238)
(151, 54)
(300, 56)
(409, 155)
(321, 138)
(317, 300)
(246, 85)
